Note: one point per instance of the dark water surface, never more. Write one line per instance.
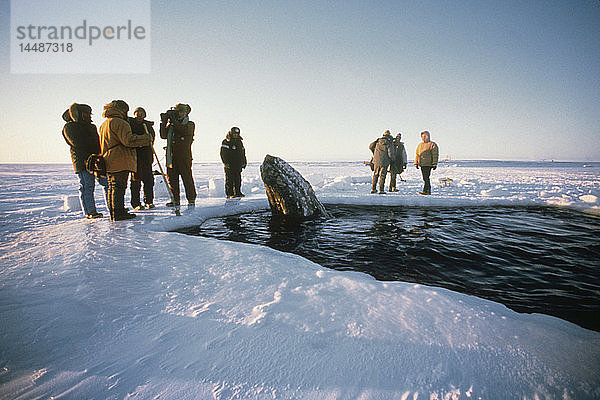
(542, 260)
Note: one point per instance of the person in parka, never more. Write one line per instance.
(383, 153)
(179, 133)
(118, 144)
(426, 158)
(82, 137)
(233, 156)
(398, 164)
(145, 157)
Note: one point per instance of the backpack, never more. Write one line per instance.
(95, 165)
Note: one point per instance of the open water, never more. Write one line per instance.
(533, 260)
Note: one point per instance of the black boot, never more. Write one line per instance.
(118, 203)
(149, 193)
(110, 196)
(136, 186)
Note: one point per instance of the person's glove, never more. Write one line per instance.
(434, 167)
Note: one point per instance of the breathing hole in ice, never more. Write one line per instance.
(531, 259)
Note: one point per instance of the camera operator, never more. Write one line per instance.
(145, 156)
(118, 150)
(82, 137)
(176, 127)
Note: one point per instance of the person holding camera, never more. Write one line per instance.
(176, 127)
(233, 156)
(145, 157)
(82, 137)
(427, 158)
(118, 145)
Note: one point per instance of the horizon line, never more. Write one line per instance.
(325, 161)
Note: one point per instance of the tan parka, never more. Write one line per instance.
(383, 151)
(427, 154)
(117, 143)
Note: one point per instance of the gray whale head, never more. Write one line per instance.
(288, 192)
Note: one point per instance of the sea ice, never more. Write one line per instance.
(94, 309)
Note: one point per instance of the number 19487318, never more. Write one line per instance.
(46, 47)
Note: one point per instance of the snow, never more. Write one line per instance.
(128, 310)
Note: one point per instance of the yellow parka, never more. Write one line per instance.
(117, 143)
(427, 154)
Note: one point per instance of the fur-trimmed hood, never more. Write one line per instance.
(183, 107)
(116, 109)
(231, 136)
(75, 112)
(67, 116)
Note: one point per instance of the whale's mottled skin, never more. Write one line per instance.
(289, 193)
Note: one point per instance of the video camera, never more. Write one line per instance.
(170, 115)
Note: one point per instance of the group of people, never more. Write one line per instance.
(126, 146)
(390, 154)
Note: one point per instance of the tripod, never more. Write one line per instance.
(166, 183)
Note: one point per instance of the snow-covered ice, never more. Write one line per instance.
(94, 309)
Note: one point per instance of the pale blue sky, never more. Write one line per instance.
(320, 80)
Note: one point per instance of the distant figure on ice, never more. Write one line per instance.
(177, 128)
(426, 157)
(383, 154)
(398, 164)
(233, 156)
(82, 137)
(145, 156)
(118, 144)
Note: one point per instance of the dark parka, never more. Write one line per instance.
(383, 151)
(183, 136)
(145, 155)
(400, 160)
(233, 153)
(81, 136)
(137, 128)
